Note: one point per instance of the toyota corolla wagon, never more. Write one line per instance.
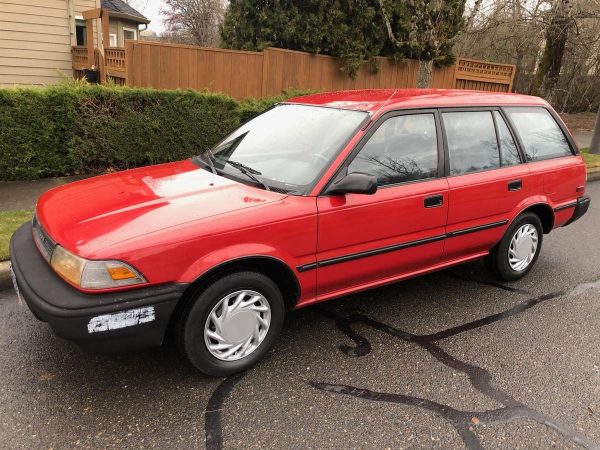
(318, 197)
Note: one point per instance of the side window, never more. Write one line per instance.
(472, 144)
(508, 149)
(539, 132)
(404, 148)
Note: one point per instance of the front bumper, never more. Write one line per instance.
(110, 322)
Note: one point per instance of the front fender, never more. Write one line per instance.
(232, 253)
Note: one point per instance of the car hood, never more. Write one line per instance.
(92, 214)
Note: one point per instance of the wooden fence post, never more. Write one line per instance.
(89, 17)
(265, 72)
(89, 28)
(129, 81)
(101, 67)
(104, 19)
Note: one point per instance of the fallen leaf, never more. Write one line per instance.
(46, 376)
(475, 420)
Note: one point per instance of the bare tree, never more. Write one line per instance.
(516, 32)
(550, 64)
(194, 20)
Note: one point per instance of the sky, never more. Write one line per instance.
(151, 9)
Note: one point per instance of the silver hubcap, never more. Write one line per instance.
(237, 325)
(522, 247)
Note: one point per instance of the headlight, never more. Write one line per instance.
(93, 274)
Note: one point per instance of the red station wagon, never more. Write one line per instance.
(318, 197)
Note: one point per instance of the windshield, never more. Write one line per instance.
(287, 147)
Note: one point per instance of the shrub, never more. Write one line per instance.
(251, 107)
(77, 128)
(35, 132)
(122, 128)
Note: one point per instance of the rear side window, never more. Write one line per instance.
(472, 144)
(402, 149)
(541, 136)
(508, 149)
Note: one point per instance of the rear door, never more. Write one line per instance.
(364, 240)
(556, 170)
(487, 179)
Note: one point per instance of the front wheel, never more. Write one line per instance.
(518, 250)
(232, 324)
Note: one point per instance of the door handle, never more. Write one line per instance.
(515, 185)
(434, 201)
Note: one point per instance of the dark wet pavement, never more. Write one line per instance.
(449, 360)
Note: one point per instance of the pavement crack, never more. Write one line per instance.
(480, 379)
(213, 426)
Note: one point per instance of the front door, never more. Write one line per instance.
(365, 240)
(487, 180)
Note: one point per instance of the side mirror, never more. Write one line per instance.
(354, 183)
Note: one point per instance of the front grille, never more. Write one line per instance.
(44, 242)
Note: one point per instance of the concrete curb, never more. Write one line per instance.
(5, 278)
(593, 174)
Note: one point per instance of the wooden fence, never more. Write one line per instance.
(243, 74)
(476, 75)
(251, 74)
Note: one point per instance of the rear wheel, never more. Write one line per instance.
(518, 250)
(231, 324)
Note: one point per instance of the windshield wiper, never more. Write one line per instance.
(249, 172)
(211, 162)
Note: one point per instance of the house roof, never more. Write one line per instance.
(375, 99)
(118, 8)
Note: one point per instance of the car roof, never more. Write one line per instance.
(375, 99)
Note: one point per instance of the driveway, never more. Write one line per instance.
(449, 360)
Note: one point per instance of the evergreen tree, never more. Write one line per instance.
(352, 30)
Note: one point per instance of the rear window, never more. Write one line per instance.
(541, 136)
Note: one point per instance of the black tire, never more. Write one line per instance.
(190, 326)
(497, 260)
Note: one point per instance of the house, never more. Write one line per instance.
(37, 36)
(125, 22)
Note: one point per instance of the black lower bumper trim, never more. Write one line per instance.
(583, 204)
(118, 321)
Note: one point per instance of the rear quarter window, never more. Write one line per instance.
(541, 136)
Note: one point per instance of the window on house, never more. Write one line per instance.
(472, 144)
(112, 40)
(80, 32)
(129, 34)
(403, 149)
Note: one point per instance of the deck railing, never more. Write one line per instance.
(114, 58)
(80, 58)
(112, 64)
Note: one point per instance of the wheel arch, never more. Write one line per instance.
(270, 266)
(544, 211)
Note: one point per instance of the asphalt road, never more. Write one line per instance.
(444, 361)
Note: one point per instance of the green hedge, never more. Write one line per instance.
(76, 128)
